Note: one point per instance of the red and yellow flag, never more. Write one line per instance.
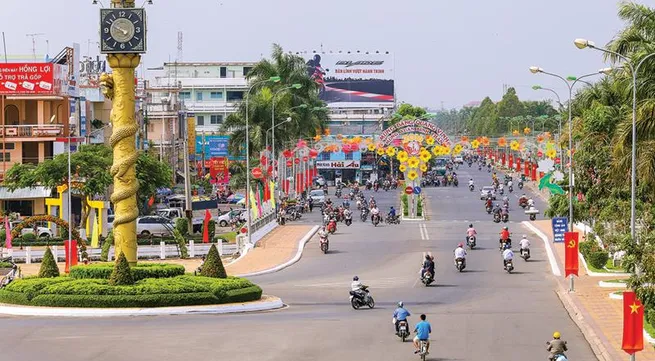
(633, 323)
(571, 255)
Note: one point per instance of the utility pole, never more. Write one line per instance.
(34, 36)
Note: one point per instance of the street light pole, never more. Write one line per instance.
(272, 157)
(559, 125)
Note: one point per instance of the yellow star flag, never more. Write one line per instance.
(95, 236)
(253, 205)
(271, 187)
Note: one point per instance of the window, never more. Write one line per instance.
(199, 96)
(22, 207)
(6, 157)
(9, 146)
(324, 156)
(246, 70)
(234, 95)
(216, 95)
(216, 119)
(223, 72)
(349, 156)
(200, 120)
(185, 95)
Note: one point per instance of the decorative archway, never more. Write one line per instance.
(27, 222)
(414, 127)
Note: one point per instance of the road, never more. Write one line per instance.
(480, 314)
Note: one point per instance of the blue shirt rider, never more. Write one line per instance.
(400, 314)
(392, 212)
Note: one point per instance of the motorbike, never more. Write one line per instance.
(505, 217)
(423, 349)
(525, 253)
(338, 193)
(509, 266)
(470, 164)
(510, 189)
(358, 300)
(556, 357)
(497, 217)
(520, 184)
(332, 227)
(471, 187)
(364, 214)
(325, 244)
(427, 278)
(393, 219)
(455, 182)
(352, 195)
(348, 220)
(460, 264)
(281, 219)
(503, 243)
(501, 191)
(488, 209)
(403, 329)
(376, 220)
(480, 168)
(523, 202)
(470, 241)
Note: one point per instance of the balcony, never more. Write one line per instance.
(38, 131)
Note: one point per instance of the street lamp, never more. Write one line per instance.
(584, 43)
(292, 86)
(277, 125)
(559, 125)
(273, 79)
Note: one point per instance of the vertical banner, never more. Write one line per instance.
(219, 169)
(253, 204)
(272, 190)
(205, 226)
(70, 249)
(95, 234)
(511, 160)
(571, 258)
(633, 323)
(7, 233)
(518, 165)
(191, 134)
(534, 171)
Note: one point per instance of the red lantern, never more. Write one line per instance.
(289, 163)
(557, 161)
(297, 160)
(269, 170)
(287, 153)
(305, 158)
(313, 153)
(540, 154)
(257, 173)
(263, 160)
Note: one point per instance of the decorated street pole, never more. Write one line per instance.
(123, 38)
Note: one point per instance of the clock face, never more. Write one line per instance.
(122, 30)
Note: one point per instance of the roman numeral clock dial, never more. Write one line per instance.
(122, 30)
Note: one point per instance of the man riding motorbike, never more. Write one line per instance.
(556, 347)
(428, 266)
(504, 236)
(523, 200)
(460, 252)
(392, 214)
(375, 212)
(530, 203)
(357, 287)
(400, 314)
(471, 233)
(525, 244)
(508, 255)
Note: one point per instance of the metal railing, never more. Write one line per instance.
(35, 130)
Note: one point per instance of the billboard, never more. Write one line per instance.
(33, 79)
(337, 164)
(215, 146)
(353, 78)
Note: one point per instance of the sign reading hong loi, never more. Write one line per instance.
(337, 164)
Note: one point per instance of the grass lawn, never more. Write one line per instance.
(618, 293)
(609, 268)
(230, 237)
(623, 280)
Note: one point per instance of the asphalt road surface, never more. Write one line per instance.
(482, 313)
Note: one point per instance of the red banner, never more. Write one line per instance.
(571, 255)
(534, 171)
(219, 169)
(205, 226)
(633, 323)
(33, 78)
(518, 165)
(70, 248)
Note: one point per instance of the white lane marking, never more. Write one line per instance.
(549, 250)
(424, 231)
(423, 235)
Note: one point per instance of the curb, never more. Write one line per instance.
(549, 250)
(604, 284)
(296, 258)
(615, 296)
(271, 303)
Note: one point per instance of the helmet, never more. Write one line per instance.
(505, 228)
(507, 246)
(427, 256)
(524, 236)
(556, 335)
(471, 225)
(400, 304)
(460, 245)
(355, 278)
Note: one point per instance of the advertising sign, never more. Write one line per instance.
(560, 226)
(83, 117)
(29, 78)
(353, 78)
(191, 131)
(337, 164)
(219, 169)
(214, 146)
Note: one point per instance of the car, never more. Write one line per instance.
(154, 225)
(224, 219)
(459, 159)
(319, 180)
(486, 190)
(42, 230)
(317, 196)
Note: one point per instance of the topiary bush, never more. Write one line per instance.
(182, 226)
(106, 246)
(211, 226)
(181, 244)
(213, 266)
(587, 246)
(49, 267)
(121, 275)
(598, 258)
(6, 265)
(29, 237)
(139, 272)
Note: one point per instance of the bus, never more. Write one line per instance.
(440, 165)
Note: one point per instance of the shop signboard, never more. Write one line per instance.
(337, 164)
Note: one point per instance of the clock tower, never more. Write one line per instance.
(123, 39)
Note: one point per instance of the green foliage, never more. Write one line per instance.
(598, 258)
(139, 272)
(106, 246)
(181, 244)
(587, 247)
(177, 291)
(49, 267)
(121, 275)
(404, 201)
(510, 106)
(151, 175)
(29, 237)
(6, 265)
(213, 266)
(211, 226)
(407, 111)
(182, 226)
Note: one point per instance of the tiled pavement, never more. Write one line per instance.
(591, 304)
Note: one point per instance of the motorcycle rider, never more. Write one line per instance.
(392, 213)
(428, 266)
(523, 199)
(505, 211)
(460, 252)
(375, 211)
(504, 235)
(400, 314)
(471, 183)
(508, 255)
(525, 244)
(423, 331)
(530, 203)
(347, 213)
(471, 232)
(556, 347)
(489, 203)
(357, 287)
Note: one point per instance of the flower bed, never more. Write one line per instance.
(404, 200)
(151, 292)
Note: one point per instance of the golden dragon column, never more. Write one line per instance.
(120, 88)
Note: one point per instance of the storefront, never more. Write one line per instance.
(346, 170)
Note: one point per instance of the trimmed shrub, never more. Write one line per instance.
(213, 266)
(598, 258)
(94, 301)
(15, 298)
(49, 267)
(121, 275)
(3, 235)
(139, 272)
(106, 246)
(182, 226)
(244, 294)
(181, 244)
(587, 246)
(6, 265)
(29, 237)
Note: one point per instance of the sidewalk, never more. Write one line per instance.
(604, 316)
(277, 247)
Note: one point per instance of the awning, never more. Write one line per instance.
(24, 193)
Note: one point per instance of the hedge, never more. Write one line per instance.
(6, 265)
(594, 254)
(178, 291)
(139, 272)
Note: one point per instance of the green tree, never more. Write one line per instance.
(152, 174)
(407, 111)
(213, 266)
(122, 274)
(48, 267)
(510, 105)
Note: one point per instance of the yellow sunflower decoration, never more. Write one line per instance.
(391, 151)
(413, 162)
(551, 153)
(436, 151)
(515, 133)
(457, 149)
(380, 151)
(514, 145)
(526, 130)
(425, 156)
(368, 141)
(429, 140)
(502, 142)
(402, 168)
(371, 147)
(357, 140)
(402, 156)
(412, 175)
(547, 135)
(475, 144)
(446, 150)
(424, 168)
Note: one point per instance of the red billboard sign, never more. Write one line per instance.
(219, 169)
(32, 78)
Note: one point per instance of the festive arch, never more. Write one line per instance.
(414, 127)
(27, 222)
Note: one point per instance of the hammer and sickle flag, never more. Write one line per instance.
(571, 260)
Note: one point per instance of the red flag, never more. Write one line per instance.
(205, 227)
(267, 192)
(571, 254)
(7, 233)
(70, 249)
(151, 201)
(633, 323)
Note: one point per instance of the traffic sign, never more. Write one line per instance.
(417, 190)
(244, 230)
(560, 226)
(257, 173)
(409, 190)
